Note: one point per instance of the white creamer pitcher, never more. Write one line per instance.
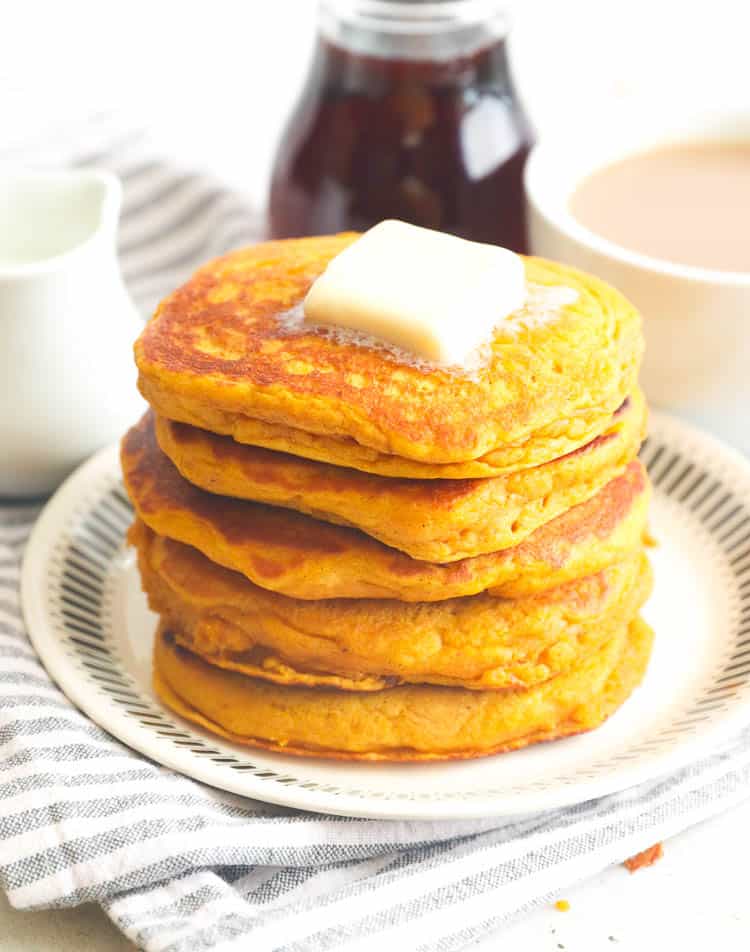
(67, 326)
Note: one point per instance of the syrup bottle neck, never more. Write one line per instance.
(438, 31)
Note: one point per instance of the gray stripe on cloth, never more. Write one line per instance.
(35, 700)
(231, 927)
(36, 782)
(165, 186)
(65, 810)
(59, 753)
(184, 908)
(202, 203)
(12, 645)
(10, 609)
(12, 731)
(290, 878)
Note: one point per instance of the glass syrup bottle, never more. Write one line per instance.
(408, 112)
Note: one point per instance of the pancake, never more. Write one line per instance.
(228, 353)
(432, 520)
(482, 642)
(301, 557)
(404, 723)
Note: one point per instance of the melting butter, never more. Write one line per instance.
(437, 297)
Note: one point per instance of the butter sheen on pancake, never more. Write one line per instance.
(482, 642)
(407, 723)
(219, 355)
(432, 520)
(299, 556)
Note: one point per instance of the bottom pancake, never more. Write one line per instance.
(407, 723)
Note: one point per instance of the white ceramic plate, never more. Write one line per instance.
(90, 625)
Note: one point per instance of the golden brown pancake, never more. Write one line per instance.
(301, 557)
(433, 520)
(403, 723)
(482, 642)
(221, 353)
(240, 534)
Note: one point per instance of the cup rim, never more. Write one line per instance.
(539, 172)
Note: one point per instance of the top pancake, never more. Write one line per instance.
(222, 354)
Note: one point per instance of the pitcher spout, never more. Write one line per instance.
(51, 216)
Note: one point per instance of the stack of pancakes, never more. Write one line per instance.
(357, 555)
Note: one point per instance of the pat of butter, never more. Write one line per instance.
(428, 293)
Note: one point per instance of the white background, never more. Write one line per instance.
(215, 80)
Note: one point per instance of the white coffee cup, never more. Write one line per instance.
(696, 320)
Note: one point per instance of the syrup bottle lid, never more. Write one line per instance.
(414, 29)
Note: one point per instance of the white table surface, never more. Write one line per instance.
(219, 115)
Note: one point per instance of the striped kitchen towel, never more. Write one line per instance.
(183, 868)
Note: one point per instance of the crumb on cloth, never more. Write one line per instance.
(646, 857)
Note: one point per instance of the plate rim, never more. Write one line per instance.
(53, 656)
